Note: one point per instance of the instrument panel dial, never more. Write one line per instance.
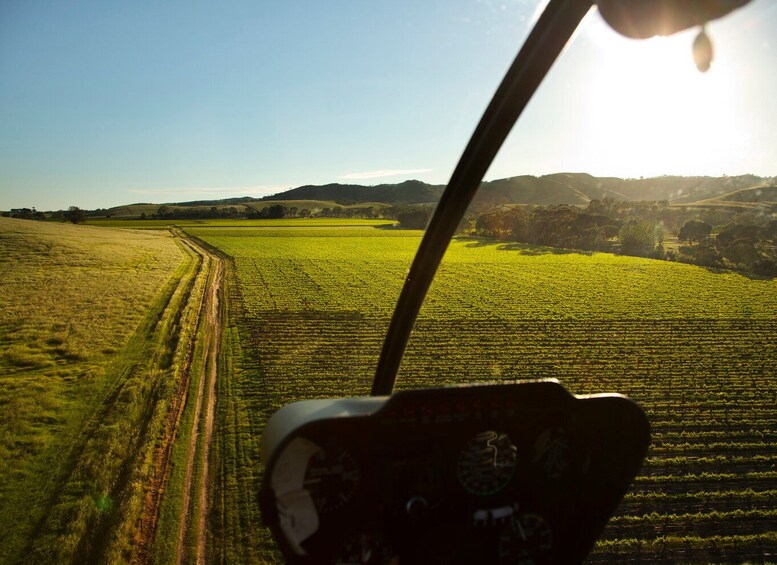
(486, 463)
(526, 540)
(331, 477)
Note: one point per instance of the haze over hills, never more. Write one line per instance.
(557, 188)
(766, 194)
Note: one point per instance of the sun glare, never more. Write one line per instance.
(652, 112)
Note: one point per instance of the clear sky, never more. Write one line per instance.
(105, 103)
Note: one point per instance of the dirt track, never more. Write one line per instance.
(194, 504)
(203, 420)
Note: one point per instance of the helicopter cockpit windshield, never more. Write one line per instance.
(509, 473)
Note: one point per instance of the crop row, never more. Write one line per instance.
(747, 548)
(641, 503)
(703, 523)
(713, 447)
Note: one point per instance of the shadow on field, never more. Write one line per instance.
(522, 248)
(721, 271)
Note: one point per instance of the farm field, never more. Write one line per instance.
(308, 309)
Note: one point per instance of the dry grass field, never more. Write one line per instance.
(71, 298)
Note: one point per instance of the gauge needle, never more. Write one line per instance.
(520, 530)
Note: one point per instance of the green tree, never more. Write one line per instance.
(511, 223)
(742, 251)
(707, 253)
(593, 231)
(164, 212)
(75, 214)
(694, 230)
(553, 226)
(640, 238)
(413, 219)
(276, 211)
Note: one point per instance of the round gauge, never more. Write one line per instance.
(552, 452)
(331, 478)
(486, 463)
(365, 548)
(527, 539)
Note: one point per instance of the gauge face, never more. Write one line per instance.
(527, 539)
(552, 452)
(486, 463)
(331, 478)
(365, 548)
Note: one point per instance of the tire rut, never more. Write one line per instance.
(210, 314)
(203, 422)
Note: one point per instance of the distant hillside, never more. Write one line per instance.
(766, 194)
(682, 190)
(408, 192)
(580, 188)
(755, 197)
(559, 188)
(526, 189)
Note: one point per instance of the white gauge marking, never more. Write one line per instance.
(296, 511)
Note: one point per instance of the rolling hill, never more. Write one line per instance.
(763, 196)
(558, 188)
(410, 191)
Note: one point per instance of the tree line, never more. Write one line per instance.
(750, 248)
(745, 241)
(573, 228)
(73, 214)
(409, 214)
(274, 211)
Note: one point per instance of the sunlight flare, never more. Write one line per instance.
(648, 105)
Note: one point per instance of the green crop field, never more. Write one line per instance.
(308, 310)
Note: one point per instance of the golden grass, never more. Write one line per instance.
(70, 298)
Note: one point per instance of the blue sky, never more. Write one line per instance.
(108, 103)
